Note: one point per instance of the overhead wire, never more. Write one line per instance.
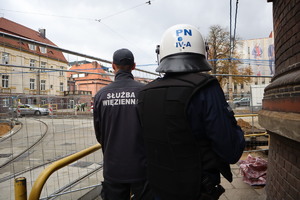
(79, 18)
(122, 11)
(98, 20)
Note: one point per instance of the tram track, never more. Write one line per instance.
(72, 184)
(27, 149)
(41, 136)
(32, 168)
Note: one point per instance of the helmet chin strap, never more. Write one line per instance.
(157, 51)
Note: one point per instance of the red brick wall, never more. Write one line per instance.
(283, 177)
(282, 98)
(284, 92)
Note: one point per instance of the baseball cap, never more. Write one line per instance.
(123, 57)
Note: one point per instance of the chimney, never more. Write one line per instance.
(95, 64)
(42, 32)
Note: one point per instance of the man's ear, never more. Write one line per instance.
(133, 67)
(114, 67)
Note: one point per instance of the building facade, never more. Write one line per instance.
(259, 55)
(93, 80)
(23, 64)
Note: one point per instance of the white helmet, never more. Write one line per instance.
(182, 49)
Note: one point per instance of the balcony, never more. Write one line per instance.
(7, 90)
(77, 92)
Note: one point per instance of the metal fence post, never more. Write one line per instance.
(20, 188)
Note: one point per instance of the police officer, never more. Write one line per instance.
(118, 130)
(190, 132)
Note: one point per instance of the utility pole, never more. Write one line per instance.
(230, 59)
(38, 82)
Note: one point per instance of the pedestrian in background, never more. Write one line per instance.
(190, 132)
(118, 131)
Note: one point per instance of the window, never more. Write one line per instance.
(5, 58)
(81, 75)
(242, 85)
(43, 66)
(5, 102)
(5, 81)
(61, 73)
(32, 64)
(51, 86)
(43, 49)
(32, 47)
(43, 101)
(61, 87)
(74, 75)
(43, 84)
(31, 84)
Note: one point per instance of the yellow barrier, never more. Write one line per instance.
(257, 134)
(20, 188)
(41, 180)
(246, 115)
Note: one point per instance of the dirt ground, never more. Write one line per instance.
(4, 128)
(248, 128)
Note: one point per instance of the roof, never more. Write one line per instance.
(93, 67)
(14, 28)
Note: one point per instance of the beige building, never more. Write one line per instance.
(258, 54)
(32, 78)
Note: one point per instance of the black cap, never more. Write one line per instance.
(123, 57)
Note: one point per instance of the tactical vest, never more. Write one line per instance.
(175, 158)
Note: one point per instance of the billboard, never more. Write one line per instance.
(259, 54)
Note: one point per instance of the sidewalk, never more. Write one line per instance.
(238, 190)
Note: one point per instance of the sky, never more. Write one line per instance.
(99, 27)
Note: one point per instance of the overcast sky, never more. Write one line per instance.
(133, 24)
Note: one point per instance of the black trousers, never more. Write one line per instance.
(126, 191)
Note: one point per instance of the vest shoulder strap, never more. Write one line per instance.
(181, 79)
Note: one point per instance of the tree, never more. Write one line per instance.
(219, 57)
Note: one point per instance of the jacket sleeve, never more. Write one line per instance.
(97, 120)
(211, 117)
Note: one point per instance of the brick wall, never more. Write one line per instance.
(281, 110)
(283, 178)
(286, 25)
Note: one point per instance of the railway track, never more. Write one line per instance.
(27, 149)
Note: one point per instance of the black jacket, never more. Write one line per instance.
(118, 130)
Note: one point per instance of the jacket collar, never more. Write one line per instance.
(122, 74)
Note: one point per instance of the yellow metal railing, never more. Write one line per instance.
(41, 180)
(257, 134)
(246, 115)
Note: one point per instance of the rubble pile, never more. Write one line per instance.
(248, 128)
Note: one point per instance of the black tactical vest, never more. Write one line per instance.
(174, 156)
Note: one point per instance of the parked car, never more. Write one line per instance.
(242, 102)
(29, 109)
